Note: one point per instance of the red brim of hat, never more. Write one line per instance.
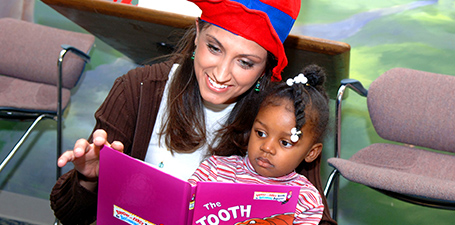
(253, 25)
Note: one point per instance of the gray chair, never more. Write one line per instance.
(35, 76)
(414, 112)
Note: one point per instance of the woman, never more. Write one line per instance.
(235, 48)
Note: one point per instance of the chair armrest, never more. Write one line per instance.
(76, 51)
(66, 49)
(355, 85)
(333, 177)
(358, 88)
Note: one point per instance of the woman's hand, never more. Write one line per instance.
(85, 157)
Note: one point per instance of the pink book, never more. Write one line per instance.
(131, 191)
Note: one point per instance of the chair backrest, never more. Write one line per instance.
(30, 51)
(414, 107)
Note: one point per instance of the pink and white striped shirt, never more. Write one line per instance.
(237, 169)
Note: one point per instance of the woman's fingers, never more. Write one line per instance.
(66, 157)
(85, 155)
(100, 138)
(80, 148)
(117, 145)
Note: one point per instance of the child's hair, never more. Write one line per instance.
(310, 104)
(309, 97)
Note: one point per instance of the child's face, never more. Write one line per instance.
(270, 149)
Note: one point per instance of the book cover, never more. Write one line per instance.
(131, 191)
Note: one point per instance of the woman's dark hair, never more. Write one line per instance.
(184, 127)
(310, 104)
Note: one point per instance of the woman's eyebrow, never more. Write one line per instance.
(221, 46)
(215, 39)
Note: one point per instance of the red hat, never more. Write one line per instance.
(266, 22)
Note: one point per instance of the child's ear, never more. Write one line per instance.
(314, 152)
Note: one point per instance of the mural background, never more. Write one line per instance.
(383, 35)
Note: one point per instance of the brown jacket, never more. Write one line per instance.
(128, 115)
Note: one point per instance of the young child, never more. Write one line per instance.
(287, 130)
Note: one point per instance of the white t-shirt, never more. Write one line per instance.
(182, 165)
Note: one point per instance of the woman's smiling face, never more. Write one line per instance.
(226, 65)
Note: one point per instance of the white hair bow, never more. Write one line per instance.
(298, 79)
(295, 134)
